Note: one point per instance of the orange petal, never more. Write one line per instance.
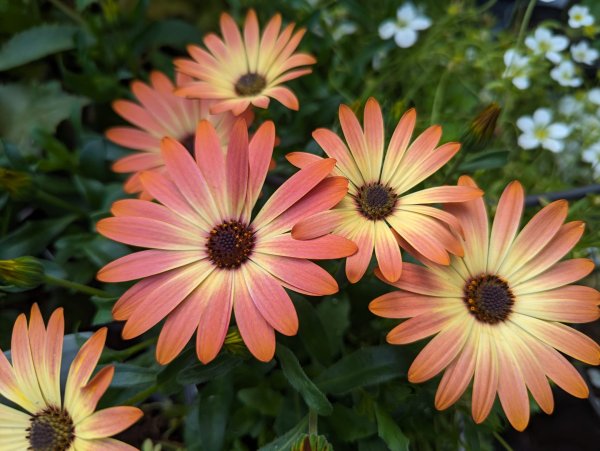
(398, 144)
(324, 247)
(420, 327)
(401, 304)
(485, 382)
(387, 252)
(356, 264)
(108, 422)
(511, 389)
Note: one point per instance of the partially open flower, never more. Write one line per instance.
(21, 272)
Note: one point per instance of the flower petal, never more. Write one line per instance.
(108, 422)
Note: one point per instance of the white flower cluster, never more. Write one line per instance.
(405, 27)
(544, 43)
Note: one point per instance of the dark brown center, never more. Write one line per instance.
(250, 84)
(488, 298)
(51, 430)
(230, 244)
(375, 201)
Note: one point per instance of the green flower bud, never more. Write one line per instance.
(312, 442)
(482, 129)
(234, 343)
(22, 272)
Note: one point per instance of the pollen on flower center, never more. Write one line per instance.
(230, 244)
(488, 298)
(51, 429)
(375, 201)
(250, 84)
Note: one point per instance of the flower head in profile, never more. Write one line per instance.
(517, 69)
(242, 70)
(208, 257)
(497, 312)
(539, 131)
(159, 113)
(49, 421)
(544, 42)
(379, 212)
(583, 53)
(404, 29)
(579, 16)
(566, 74)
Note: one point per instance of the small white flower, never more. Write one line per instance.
(539, 131)
(593, 96)
(579, 16)
(565, 74)
(517, 68)
(592, 153)
(544, 42)
(343, 29)
(583, 53)
(569, 106)
(404, 29)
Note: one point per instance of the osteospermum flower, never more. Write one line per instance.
(208, 256)
(240, 71)
(48, 420)
(159, 113)
(378, 209)
(497, 312)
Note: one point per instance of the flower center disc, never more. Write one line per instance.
(230, 244)
(51, 430)
(488, 298)
(250, 84)
(375, 201)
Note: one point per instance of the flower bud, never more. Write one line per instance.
(312, 442)
(21, 272)
(18, 184)
(482, 128)
(234, 342)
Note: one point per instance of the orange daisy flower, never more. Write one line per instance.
(50, 422)
(498, 310)
(159, 113)
(209, 257)
(240, 71)
(377, 197)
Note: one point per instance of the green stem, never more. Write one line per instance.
(439, 97)
(505, 445)
(76, 286)
(58, 202)
(313, 420)
(141, 396)
(69, 12)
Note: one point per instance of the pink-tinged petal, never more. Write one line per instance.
(147, 263)
(418, 279)
(561, 337)
(374, 134)
(108, 422)
(216, 315)
(421, 326)
(260, 150)
(138, 162)
(459, 373)
(184, 172)
(506, 224)
(181, 324)
(82, 367)
(435, 213)
(535, 235)
(561, 305)
(132, 138)
(138, 116)
(292, 190)
(557, 367)
(103, 444)
(152, 210)
(319, 224)
(146, 232)
(422, 170)
(9, 387)
(563, 273)
(441, 194)
(208, 151)
(322, 248)
(356, 143)
(129, 301)
(398, 144)
(231, 34)
(485, 382)
(257, 334)
(53, 355)
(153, 103)
(251, 40)
(400, 304)
(387, 252)
(271, 300)
(237, 169)
(37, 343)
(565, 239)
(285, 96)
(298, 274)
(474, 220)
(328, 193)
(511, 388)
(302, 159)
(357, 264)
(22, 360)
(422, 147)
(90, 394)
(440, 351)
(335, 148)
(158, 304)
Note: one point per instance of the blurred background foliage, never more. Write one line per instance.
(63, 62)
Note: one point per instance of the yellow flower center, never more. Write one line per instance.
(51, 429)
(230, 244)
(488, 298)
(541, 134)
(250, 84)
(375, 201)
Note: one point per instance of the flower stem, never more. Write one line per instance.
(505, 445)
(76, 286)
(313, 420)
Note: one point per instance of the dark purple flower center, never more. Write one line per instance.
(375, 201)
(250, 84)
(488, 298)
(51, 430)
(230, 244)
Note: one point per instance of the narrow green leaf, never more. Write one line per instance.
(389, 431)
(364, 367)
(36, 43)
(485, 160)
(298, 379)
(286, 441)
(129, 375)
(199, 373)
(33, 237)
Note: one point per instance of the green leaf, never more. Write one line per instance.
(128, 375)
(286, 441)
(485, 160)
(389, 431)
(263, 399)
(350, 424)
(33, 237)
(312, 331)
(298, 379)
(199, 373)
(36, 43)
(364, 367)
